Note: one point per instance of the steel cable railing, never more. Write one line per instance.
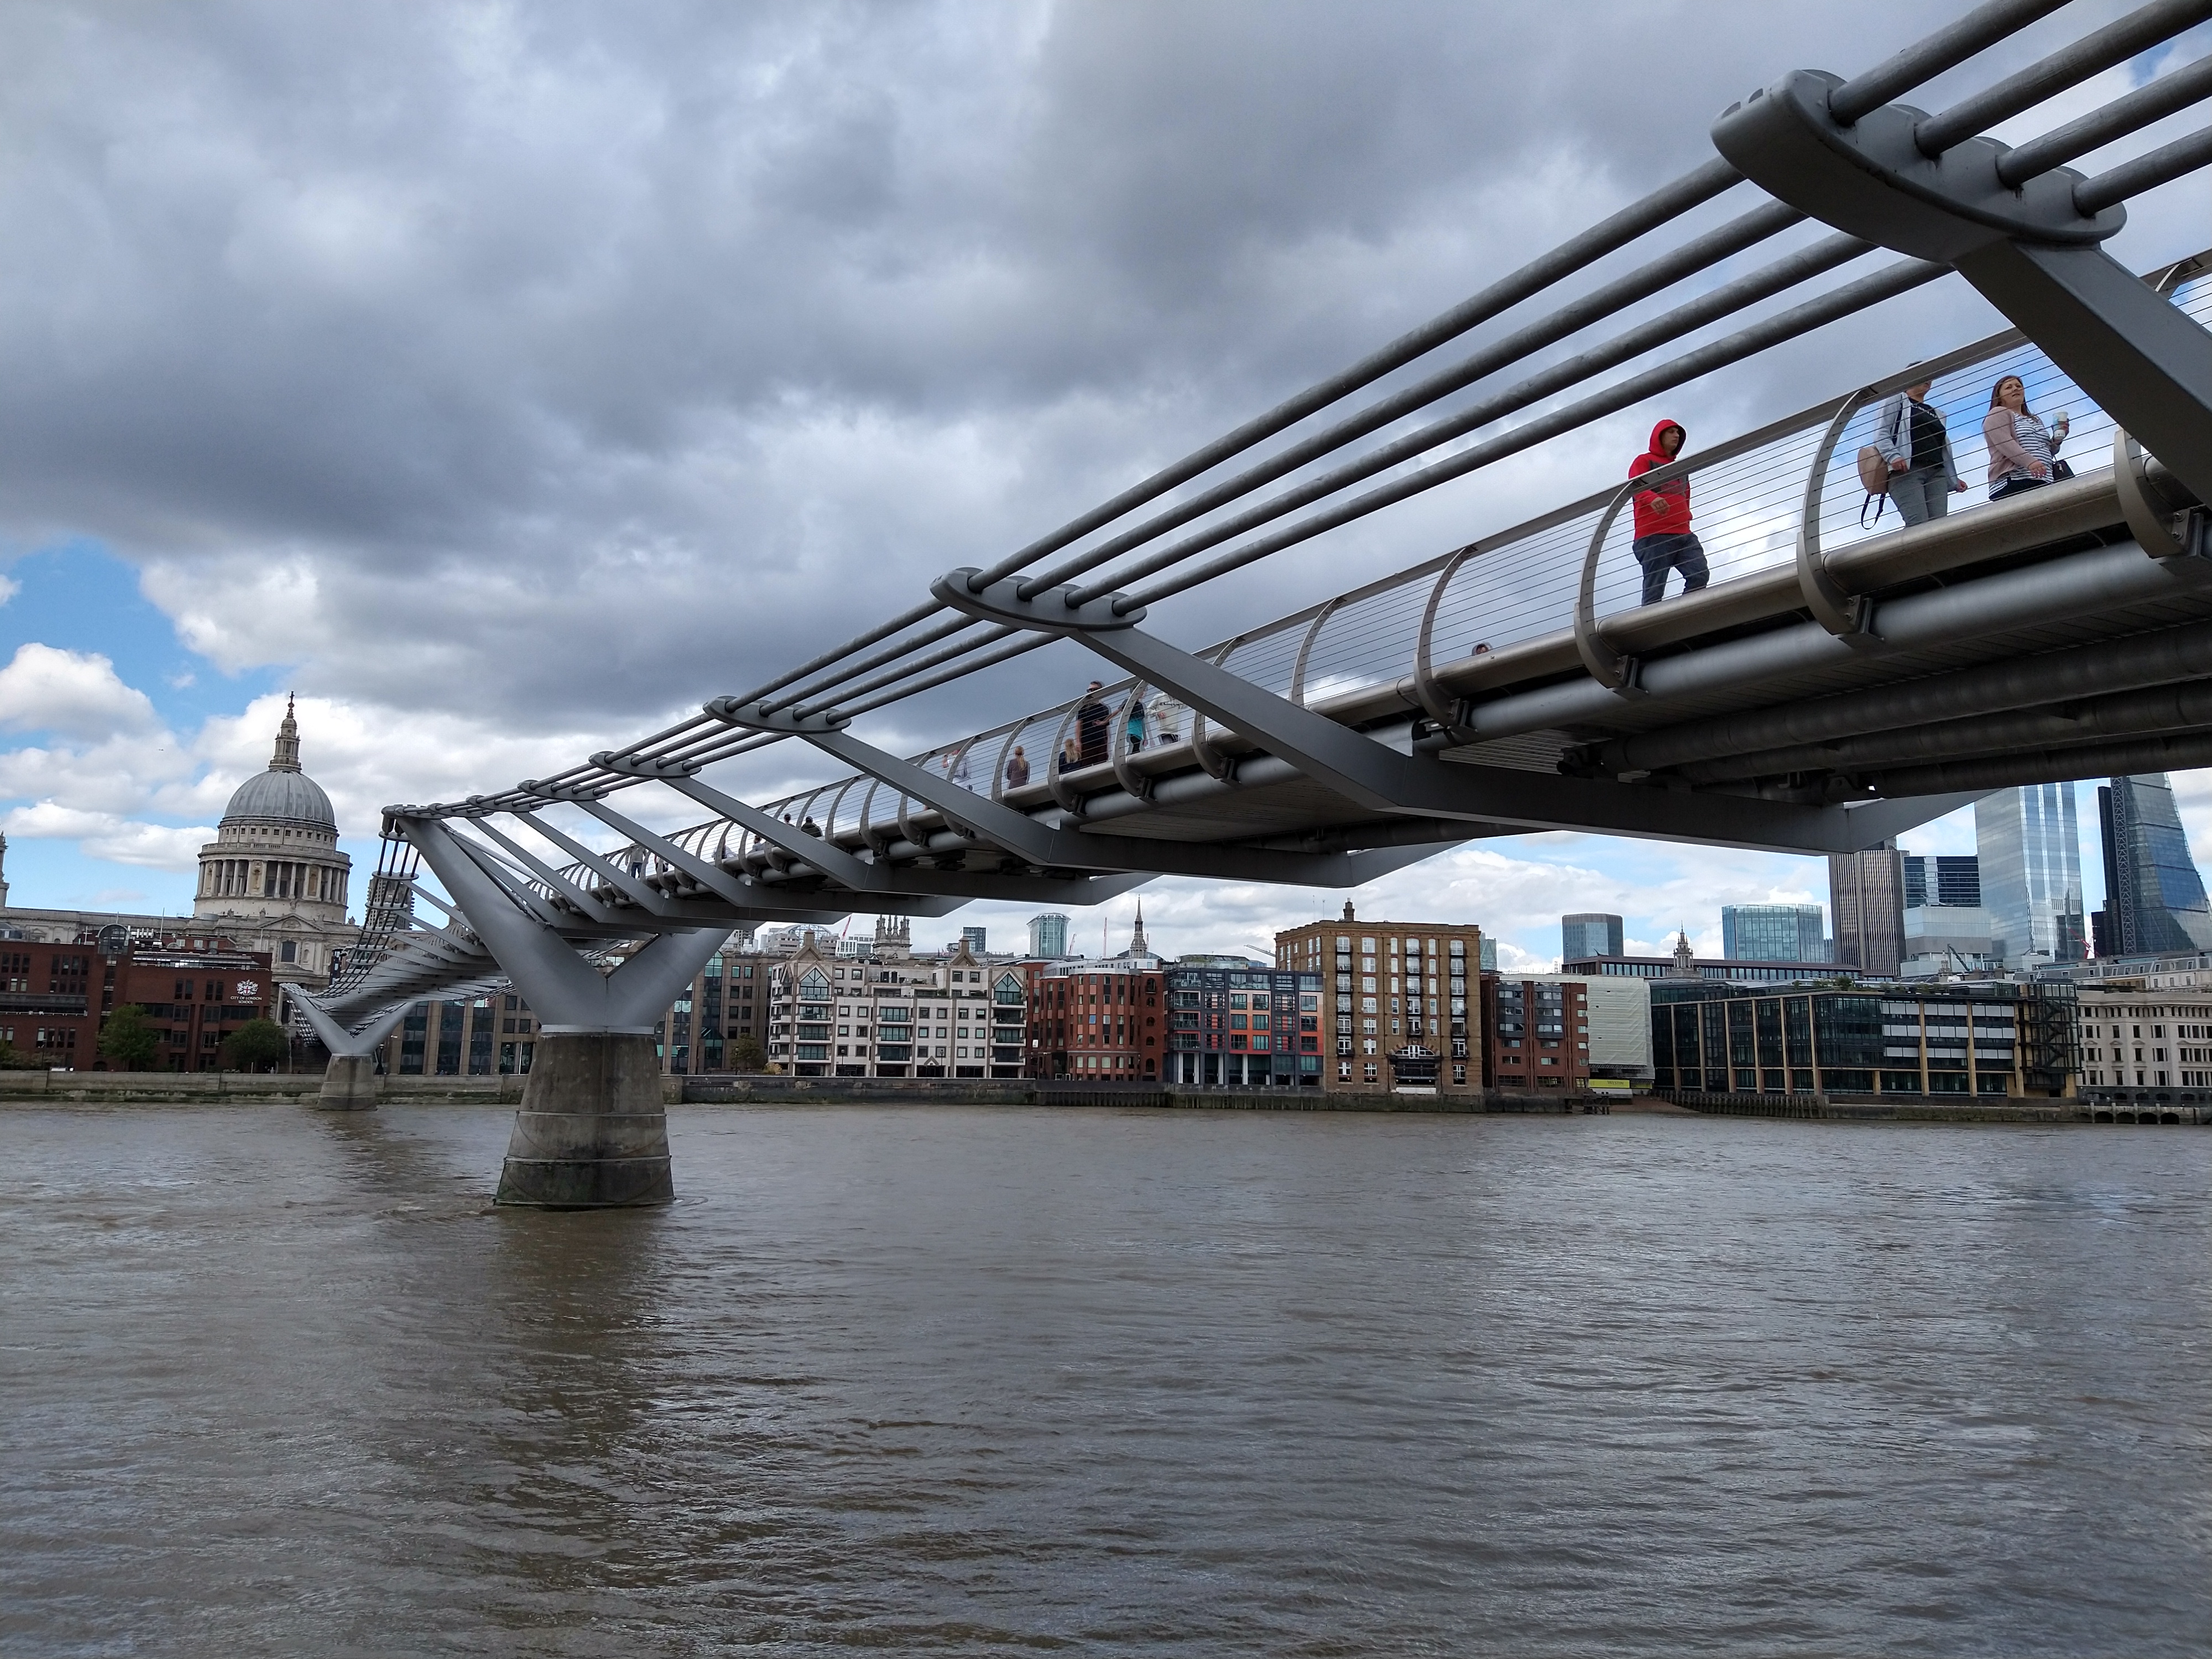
(1745, 505)
(1746, 510)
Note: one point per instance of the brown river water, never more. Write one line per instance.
(1009, 1382)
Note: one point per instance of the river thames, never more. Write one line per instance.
(1007, 1380)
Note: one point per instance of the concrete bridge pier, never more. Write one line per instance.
(350, 1080)
(591, 1131)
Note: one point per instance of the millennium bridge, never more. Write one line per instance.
(1834, 685)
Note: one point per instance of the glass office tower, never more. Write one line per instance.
(1941, 880)
(1587, 935)
(1048, 935)
(2155, 897)
(2030, 855)
(1773, 932)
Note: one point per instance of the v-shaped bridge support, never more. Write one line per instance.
(592, 1129)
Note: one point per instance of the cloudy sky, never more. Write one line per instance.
(507, 380)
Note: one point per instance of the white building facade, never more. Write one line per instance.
(894, 1014)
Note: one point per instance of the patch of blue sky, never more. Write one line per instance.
(77, 596)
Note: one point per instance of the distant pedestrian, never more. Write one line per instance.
(1093, 722)
(1166, 715)
(2023, 452)
(956, 768)
(1917, 447)
(1664, 541)
(808, 827)
(1070, 756)
(1133, 726)
(1017, 769)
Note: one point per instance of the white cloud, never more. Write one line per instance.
(108, 835)
(74, 693)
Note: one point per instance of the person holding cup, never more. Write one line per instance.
(2023, 452)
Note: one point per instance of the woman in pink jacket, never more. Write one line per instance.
(2022, 452)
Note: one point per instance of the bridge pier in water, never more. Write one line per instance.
(350, 1080)
(591, 1131)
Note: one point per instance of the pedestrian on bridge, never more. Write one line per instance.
(1915, 442)
(1664, 541)
(1094, 722)
(2023, 452)
(1018, 767)
(1166, 717)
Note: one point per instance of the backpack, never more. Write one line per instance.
(1873, 478)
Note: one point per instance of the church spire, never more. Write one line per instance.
(1137, 945)
(1685, 960)
(287, 757)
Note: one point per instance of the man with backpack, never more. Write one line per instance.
(1664, 541)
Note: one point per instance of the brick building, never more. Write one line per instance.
(194, 990)
(1097, 1020)
(1387, 986)
(1565, 1032)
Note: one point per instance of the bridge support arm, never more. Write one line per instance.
(1403, 782)
(1044, 844)
(591, 1131)
(2029, 250)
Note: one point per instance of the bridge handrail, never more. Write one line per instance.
(1825, 413)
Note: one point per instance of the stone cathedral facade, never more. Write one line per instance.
(273, 878)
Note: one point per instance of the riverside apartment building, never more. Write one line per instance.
(1387, 987)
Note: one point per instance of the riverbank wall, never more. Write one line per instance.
(198, 1087)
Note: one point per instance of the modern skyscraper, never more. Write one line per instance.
(2030, 869)
(1941, 880)
(2155, 900)
(1773, 932)
(1590, 934)
(1049, 934)
(974, 938)
(1866, 896)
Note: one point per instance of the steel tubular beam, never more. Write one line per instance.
(2078, 587)
(1051, 847)
(2101, 760)
(343, 1040)
(2157, 711)
(1390, 781)
(2030, 249)
(2142, 661)
(569, 994)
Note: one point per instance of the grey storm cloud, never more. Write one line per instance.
(570, 363)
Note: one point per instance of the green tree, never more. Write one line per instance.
(128, 1039)
(257, 1045)
(746, 1054)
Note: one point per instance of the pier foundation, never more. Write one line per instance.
(591, 1131)
(348, 1084)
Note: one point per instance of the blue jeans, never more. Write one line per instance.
(1658, 555)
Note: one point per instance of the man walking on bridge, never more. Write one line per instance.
(1664, 541)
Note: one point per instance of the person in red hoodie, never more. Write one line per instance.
(1664, 541)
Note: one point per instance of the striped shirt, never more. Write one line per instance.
(2027, 432)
